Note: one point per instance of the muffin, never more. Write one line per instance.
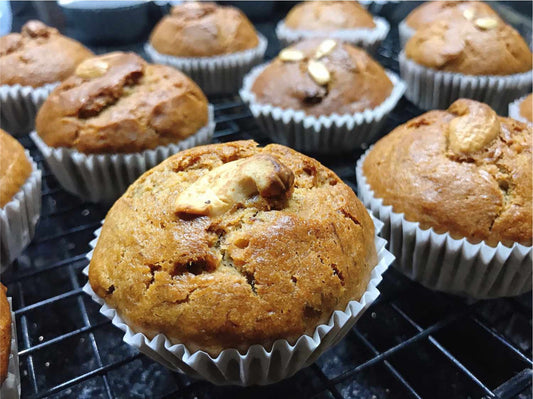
(5, 334)
(344, 20)
(225, 247)
(32, 63)
(522, 109)
(116, 117)
(431, 11)
(20, 198)
(321, 96)
(215, 45)
(479, 58)
(455, 189)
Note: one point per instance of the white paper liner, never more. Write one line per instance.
(19, 216)
(514, 111)
(258, 366)
(221, 74)
(10, 388)
(19, 106)
(443, 263)
(105, 177)
(405, 32)
(324, 134)
(368, 38)
(432, 89)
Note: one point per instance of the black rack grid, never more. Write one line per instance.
(412, 342)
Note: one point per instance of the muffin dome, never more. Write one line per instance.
(5, 333)
(38, 55)
(480, 46)
(229, 245)
(15, 168)
(465, 171)
(203, 30)
(329, 16)
(322, 77)
(118, 103)
(526, 108)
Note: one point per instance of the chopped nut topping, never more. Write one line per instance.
(92, 68)
(486, 23)
(291, 55)
(325, 48)
(469, 14)
(318, 72)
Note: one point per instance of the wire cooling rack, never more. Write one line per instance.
(412, 342)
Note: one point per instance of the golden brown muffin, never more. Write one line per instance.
(38, 55)
(229, 245)
(480, 46)
(465, 171)
(293, 80)
(118, 103)
(5, 333)
(431, 11)
(15, 168)
(526, 108)
(329, 16)
(203, 30)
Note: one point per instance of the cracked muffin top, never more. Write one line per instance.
(15, 168)
(203, 30)
(118, 103)
(328, 16)
(38, 55)
(465, 171)
(526, 108)
(5, 333)
(470, 45)
(322, 77)
(229, 245)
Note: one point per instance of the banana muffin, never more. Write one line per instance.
(5, 333)
(15, 168)
(321, 77)
(118, 103)
(229, 245)
(526, 108)
(465, 171)
(203, 30)
(38, 55)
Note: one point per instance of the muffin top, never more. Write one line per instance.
(15, 168)
(471, 46)
(38, 55)
(322, 77)
(431, 11)
(526, 108)
(465, 171)
(329, 16)
(118, 103)
(229, 245)
(5, 333)
(203, 30)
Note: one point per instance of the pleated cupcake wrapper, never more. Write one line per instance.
(368, 38)
(259, 365)
(443, 263)
(405, 32)
(221, 74)
(323, 134)
(19, 106)
(514, 111)
(19, 216)
(432, 89)
(10, 388)
(105, 177)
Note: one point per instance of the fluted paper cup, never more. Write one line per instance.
(259, 365)
(10, 388)
(514, 111)
(220, 74)
(105, 177)
(323, 134)
(405, 32)
(443, 263)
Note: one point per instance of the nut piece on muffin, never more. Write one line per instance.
(465, 171)
(5, 333)
(118, 103)
(203, 30)
(15, 168)
(38, 55)
(229, 245)
(322, 77)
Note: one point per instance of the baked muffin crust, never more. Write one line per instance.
(118, 103)
(5, 333)
(465, 171)
(526, 108)
(203, 29)
(38, 55)
(220, 259)
(353, 80)
(15, 168)
(329, 16)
